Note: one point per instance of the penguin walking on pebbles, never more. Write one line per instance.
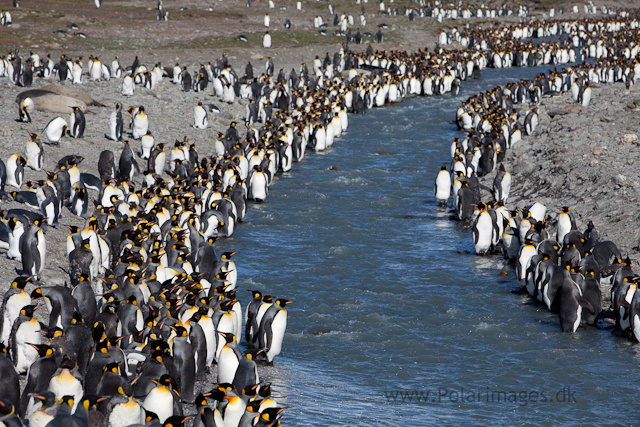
(200, 117)
(56, 129)
(566, 223)
(35, 152)
(76, 123)
(33, 249)
(127, 165)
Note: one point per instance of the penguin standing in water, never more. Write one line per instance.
(200, 117)
(258, 185)
(272, 328)
(484, 230)
(571, 304)
(25, 331)
(76, 123)
(116, 125)
(590, 287)
(35, 152)
(56, 129)
(443, 186)
(15, 170)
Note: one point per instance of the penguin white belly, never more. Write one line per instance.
(127, 86)
(636, 327)
(125, 414)
(160, 401)
(278, 327)
(564, 226)
(482, 233)
(140, 126)
(321, 141)
(11, 313)
(33, 156)
(443, 186)
(330, 136)
(39, 419)
(576, 323)
(258, 187)
(227, 365)
(66, 384)
(28, 332)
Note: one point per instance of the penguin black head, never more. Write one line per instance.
(21, 281)
(176, 421)
(47, 398)
(283, 302)
(4, 349)
(565, 209)
(37, 293)
(42, 349)
(28, 310)
(228, 337)
(112, 367)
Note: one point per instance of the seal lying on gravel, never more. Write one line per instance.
(58, 99)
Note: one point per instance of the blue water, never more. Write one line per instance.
(385, 300)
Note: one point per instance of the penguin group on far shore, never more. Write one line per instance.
(564, 271)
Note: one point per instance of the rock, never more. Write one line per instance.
(619, 179)
(630, 138)
(556, 112)
(599, 151)
(572, 109)
(257, 56)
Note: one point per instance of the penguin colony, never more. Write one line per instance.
(562, 271)
(165, 308)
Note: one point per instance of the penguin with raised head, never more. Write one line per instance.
(76, 123)
(621, 296)
(56, 129)
(35, 152)
(15, 170)
(184, 358)
(25, 331)
(443, 186)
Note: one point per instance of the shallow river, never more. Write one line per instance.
(388, 308)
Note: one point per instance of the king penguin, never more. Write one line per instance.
(272, 329)
(15, 170)
(25, 331)
(200, 117)
(56, 129)
(443, 186)
(10, 389)
(35, 152)
(77, 123)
